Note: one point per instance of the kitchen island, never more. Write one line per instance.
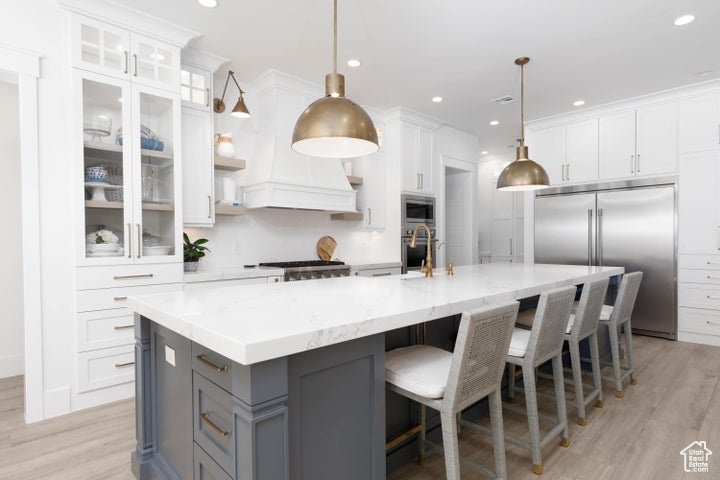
(286, 380)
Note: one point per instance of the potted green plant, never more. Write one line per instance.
(193, 252)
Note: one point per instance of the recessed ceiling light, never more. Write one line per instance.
(437, 99)
(354, 63)
(494, 122)
(579, 103)
(683, 20)
(484, 152)
(208, 3)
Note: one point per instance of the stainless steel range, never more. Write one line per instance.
(310, 269)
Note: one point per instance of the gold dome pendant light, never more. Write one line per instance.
(334, 126)
(522, 174)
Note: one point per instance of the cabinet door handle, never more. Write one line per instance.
(637, 163)
(139, 241)
(710, 277)
(127, 61)
(209, 206)
(207, 97)
(590, 219)
(511, 246)
(123, 365)
(422, 181)
(135, 62)
(123, 327)
(129, 242)
(122, 299)
(712, 323)
(712, 263)
(599, 237)
(632, 163)
(567, 172)
(386, 274)
(713, 297)
(563, 173)
(139, 275)
(207, 362)
(369, 216)
(205, 416)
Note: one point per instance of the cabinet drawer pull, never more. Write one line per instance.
(713, 297)
(277, 280)
(632, 163)
(206, 417)
(712, 263)
(123, 365)
(567, 172)
(139, 275)
(123, 327)
(207, 362)
(562, 170)
(712, 323)
(129, 241)
(710, 277)
(207, 97)
(209, 206)
(386, 274)
(122, 299)
(139, 241)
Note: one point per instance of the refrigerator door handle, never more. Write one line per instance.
(599, 237)
(589, 237)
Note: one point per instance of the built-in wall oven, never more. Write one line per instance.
(416, 210)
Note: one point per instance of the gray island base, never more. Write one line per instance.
(211, 405)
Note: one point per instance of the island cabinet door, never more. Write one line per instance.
(336, 405)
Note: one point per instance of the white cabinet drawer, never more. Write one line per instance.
(103, 329)
(711, 277)
(699, 262)
(127, 275)
(699, 297)
(197, 286)
(697, 320)
(105, 367)
(116, 298)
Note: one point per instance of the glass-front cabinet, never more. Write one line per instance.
(127, 137)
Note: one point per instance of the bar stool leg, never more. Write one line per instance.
(496, 422)
(597, 374)
(577, 381)
(533, 418)
(421, 439)
(628, 344)
(450, 445)
(511, 382)
(615, 351)
(559, 380)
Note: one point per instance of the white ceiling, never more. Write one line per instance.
(411, 50)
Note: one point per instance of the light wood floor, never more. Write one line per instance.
(676, 401)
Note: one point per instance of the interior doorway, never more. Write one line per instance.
(12, 361)
(459, 216)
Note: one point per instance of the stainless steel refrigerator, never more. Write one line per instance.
(630, 224)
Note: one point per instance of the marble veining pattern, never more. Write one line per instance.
(254, 323)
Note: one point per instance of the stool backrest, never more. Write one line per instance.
(480, 351)
(551, 319)
(587, 315)
(625, 301)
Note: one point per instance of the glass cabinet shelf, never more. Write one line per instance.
(160, 207)
(103, 149)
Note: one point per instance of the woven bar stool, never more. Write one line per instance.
(581, 325)
(451, 382)
(531, 348)
(616, 317)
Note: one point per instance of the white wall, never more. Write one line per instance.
(11, 291)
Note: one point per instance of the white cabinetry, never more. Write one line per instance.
(506, 241)
(198, 178)
(103, 48)
(638, 143)
(699, 262)
(372, 194)
(699, 124)
(569, 153)
(417, 147)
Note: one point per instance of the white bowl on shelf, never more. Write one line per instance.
(157, 250)
(103, 247)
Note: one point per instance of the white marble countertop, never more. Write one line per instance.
(231, 273)
(254, 323)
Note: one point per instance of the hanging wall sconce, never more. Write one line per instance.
(240, 110)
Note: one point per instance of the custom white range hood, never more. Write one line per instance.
(277, 177)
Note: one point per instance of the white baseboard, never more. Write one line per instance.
(12, 365)
(94, 398)
(56, 402)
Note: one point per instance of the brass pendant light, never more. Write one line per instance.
(334, 126)
(522, 174)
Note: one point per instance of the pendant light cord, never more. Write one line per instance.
(522, 105)
(335, 37)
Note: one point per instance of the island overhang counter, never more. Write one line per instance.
(286, 380)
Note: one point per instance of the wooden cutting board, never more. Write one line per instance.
(326, 247)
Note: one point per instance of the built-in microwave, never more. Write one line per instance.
(417, 209)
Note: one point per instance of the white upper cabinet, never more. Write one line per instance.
(699, 124)
(424, 159)
(196, 88)
(638, 143)
(581, 151)
(103, 48)
(550, 152)
(417, 144)
(372, 194)
(699, 203)
(198, 178)
(656, 140)
(617, 146)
